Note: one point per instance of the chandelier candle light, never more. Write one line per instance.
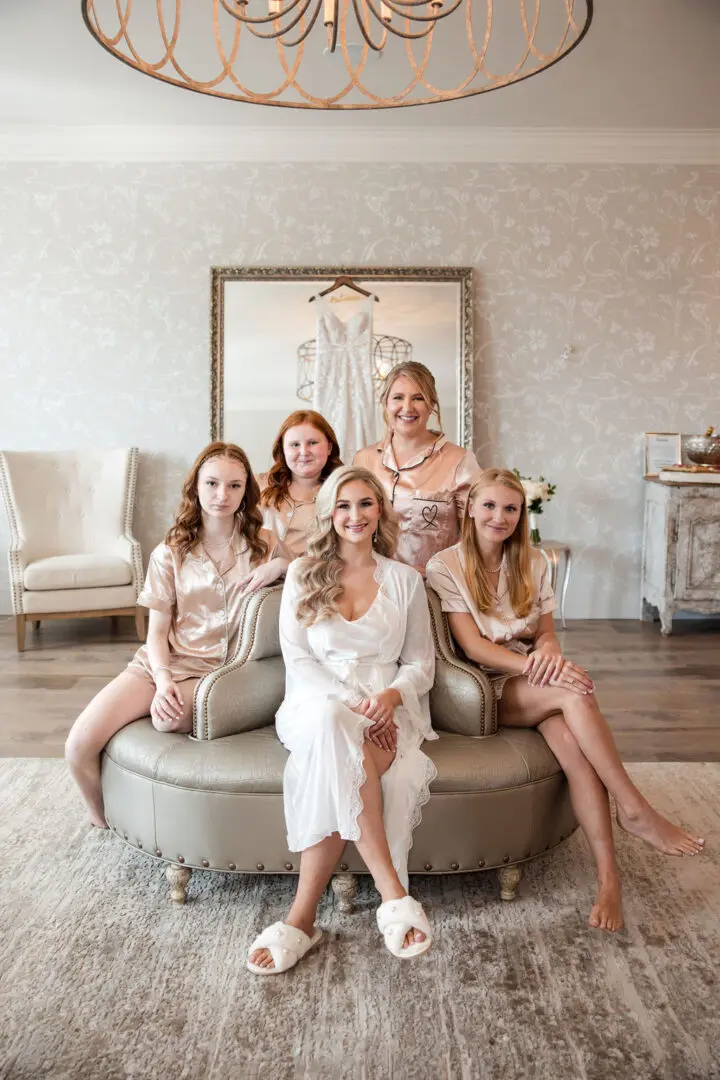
(536, 493)
(361, 54)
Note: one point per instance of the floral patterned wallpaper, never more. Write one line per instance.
(597, 315)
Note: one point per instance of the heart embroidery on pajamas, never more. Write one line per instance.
(429, 514)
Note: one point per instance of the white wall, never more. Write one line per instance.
(104, 314)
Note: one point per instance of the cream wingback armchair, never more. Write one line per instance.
(213, 801)
(72, 553)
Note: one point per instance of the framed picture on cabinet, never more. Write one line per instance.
(662, 448)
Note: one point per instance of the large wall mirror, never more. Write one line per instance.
(265, 337)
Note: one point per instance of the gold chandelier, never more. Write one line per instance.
(339, 54)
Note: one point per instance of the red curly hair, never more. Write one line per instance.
(279, 477)
(185, 532)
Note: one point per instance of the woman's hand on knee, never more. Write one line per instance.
(166, 710)
(542, 666)
(574, 678)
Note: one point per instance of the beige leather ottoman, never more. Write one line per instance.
(213, 801)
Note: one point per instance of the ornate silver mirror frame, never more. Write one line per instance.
(223, 277)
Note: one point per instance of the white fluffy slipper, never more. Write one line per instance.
(395, 918)
(286, 944)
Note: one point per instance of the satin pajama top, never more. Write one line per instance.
(428, 494)
(446, 575)
(291, 521)
(205, 605)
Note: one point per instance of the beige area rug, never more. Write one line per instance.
(103, 979)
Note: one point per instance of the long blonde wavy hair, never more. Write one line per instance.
(516, 549)
(423, 379)
(320, 570)
(185, 532)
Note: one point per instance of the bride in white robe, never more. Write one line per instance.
(330, 667)
(360, 661)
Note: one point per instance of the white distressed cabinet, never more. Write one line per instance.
(681, 550)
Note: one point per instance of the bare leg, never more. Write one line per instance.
(592, 809)
(125, 699)
(523, 705)
(316, 866)
(318, 862)
(372, 845)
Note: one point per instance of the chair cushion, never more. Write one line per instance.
(254, 761)
(77, 572)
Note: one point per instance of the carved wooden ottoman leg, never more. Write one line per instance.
(178, 876)
(345, 888)
(509, 880)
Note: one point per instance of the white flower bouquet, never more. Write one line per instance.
(537, 492)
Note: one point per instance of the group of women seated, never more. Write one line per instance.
(353, 544)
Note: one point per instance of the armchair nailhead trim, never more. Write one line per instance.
(261, 866)
(158, 852)
(343, 866)
(454, 866)
(428, 866)
(231, 866)
(481, 863)
(205, 863)
(181, 858)
(288, 866)
(506, 858)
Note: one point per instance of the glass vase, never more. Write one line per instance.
(535, 537)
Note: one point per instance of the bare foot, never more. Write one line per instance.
(98, 823)
(607, 909)
(413, 937)
(660, 833)
(263, 957)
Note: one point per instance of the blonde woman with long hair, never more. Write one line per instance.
(496, 591)
(426, 477)
(360, 661)
(214, 555)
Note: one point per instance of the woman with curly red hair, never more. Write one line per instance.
(214, 555)
(305, 452)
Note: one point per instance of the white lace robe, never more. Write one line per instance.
(329, 667)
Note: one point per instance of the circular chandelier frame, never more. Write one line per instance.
(289, 24)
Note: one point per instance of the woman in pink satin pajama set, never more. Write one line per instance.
(427, 477)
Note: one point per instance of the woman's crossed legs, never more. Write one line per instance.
(581, 740)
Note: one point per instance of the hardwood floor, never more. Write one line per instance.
(661, 696)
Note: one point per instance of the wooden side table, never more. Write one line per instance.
(553, 550)
(681, 550)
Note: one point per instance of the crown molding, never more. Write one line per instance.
(421, 145)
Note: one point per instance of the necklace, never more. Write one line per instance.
(219, 550)
(493, 569)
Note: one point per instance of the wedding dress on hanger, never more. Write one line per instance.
(343, 389)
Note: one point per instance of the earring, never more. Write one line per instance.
(374, 537)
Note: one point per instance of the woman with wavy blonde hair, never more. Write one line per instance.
(304, 453)
(496, 591)
(214, 555)
(359, 662)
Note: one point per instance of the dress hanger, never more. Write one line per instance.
(348, 282)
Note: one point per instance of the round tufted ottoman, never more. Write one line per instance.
(213, 801)
(217, 805)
